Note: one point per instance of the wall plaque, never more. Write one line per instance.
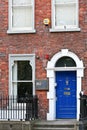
(41, 84)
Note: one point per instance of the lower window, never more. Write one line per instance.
(22, 77)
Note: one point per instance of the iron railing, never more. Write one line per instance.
(83, 107)
(12, 108)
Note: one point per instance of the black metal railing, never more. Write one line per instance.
(83, 107)
(19, 109)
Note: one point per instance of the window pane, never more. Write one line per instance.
(65, 15)
(24, 70)
(24, 90)
(22, 17)
(65, 62)
(21, 2)
(14, 89)
(14, 71)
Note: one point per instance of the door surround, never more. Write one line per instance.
(51, 94)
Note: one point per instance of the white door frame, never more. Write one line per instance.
(51, 94)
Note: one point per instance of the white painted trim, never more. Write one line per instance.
(20, 31)
(64, 68)
(65, 30)
(51, 75)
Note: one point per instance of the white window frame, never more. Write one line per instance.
(21, 30)
(21, 57)
(55, 28)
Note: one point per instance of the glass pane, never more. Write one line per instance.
(24, 90)
(22, 17)
(65, 15)
(14, 89)
(24, 70)
(65, 62)
(21, 2)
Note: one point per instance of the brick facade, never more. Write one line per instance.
(41, 43)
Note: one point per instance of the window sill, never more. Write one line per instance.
(65, 30)
(20, 31)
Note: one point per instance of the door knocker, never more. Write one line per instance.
(67, 82)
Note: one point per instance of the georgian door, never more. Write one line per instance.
(66, 94)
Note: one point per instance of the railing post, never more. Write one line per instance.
(83, 106)
(27, 107)
(35, 107)
(27, 112)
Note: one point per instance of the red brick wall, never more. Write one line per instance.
(41, 43)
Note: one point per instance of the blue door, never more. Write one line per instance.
(66, 94)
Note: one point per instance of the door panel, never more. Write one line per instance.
(66, 94)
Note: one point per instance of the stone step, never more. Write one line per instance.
(55, 125)
(44, 128)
